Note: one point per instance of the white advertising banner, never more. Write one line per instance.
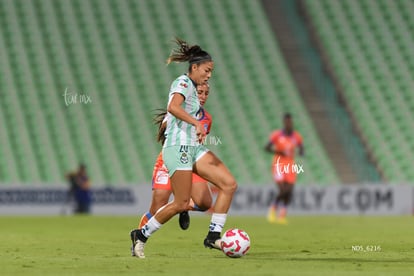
(335, 200)
(248, 200)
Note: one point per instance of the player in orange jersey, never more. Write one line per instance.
(201, 199)
(283, 144)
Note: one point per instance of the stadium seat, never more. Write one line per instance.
(375, 33)
(114, 51)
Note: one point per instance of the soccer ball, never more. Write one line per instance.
(235, 243)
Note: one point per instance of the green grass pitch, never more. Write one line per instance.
(97, 245)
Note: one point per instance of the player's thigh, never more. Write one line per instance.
(289, 193)
(201, 195)
(277, 174)
(161, 179)
(211, 168)
(290, 178)
(179, 161)
(181, 186)
(289, 188)
(286, 188)
(283, 187)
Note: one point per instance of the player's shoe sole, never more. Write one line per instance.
(184, 220)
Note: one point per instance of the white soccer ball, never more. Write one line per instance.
(235, 243)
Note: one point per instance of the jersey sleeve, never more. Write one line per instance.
(180, 86)
(273, 136)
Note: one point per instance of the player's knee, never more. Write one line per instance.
(205, 204)
(181, 206)
(202, 208)
(230, 186)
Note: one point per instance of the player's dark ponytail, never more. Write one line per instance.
(158, 120)
(184, 52)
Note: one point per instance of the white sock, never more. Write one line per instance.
(151, 226)
(217, 222)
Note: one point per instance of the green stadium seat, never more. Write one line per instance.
(377, 29)
(115, 51)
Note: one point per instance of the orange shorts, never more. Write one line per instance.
(161, 180)
(283, 173)
(198, 179)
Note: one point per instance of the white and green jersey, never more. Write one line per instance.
(179, 132)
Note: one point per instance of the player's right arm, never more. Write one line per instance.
(174, 107)
(270, 147)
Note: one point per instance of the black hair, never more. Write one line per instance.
(162, 126)
(193, 54)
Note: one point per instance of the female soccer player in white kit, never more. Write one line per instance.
(184, 153)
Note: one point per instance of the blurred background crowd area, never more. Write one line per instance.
(80, 81)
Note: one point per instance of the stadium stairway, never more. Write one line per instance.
(369, 47)
(320, 98)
